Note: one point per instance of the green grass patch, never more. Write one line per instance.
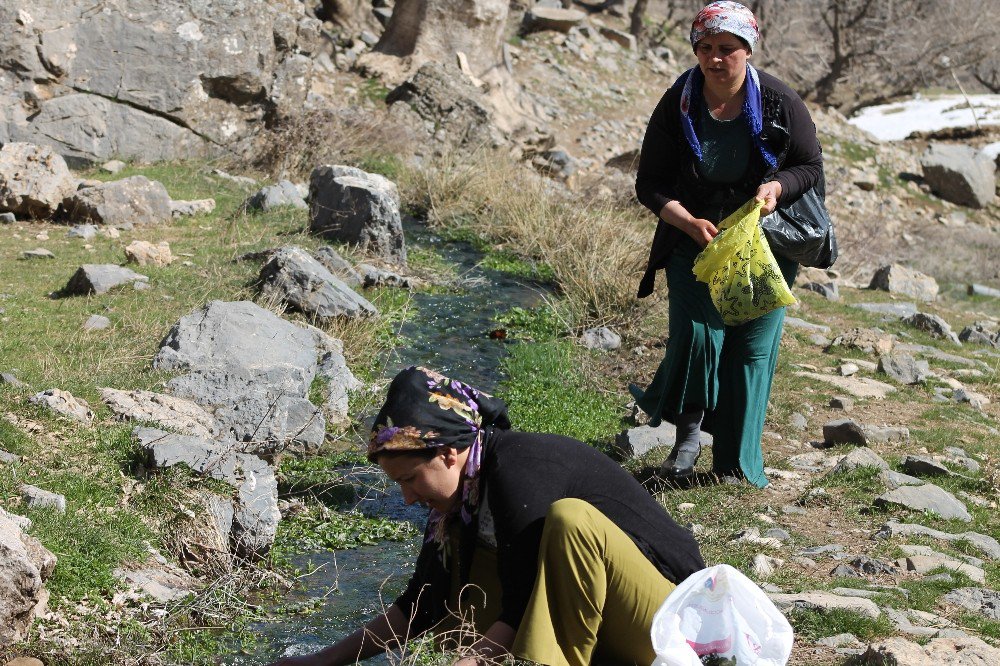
(513, 264)
(812, 625)
(539, 324)
(547, 392)
(320, 529)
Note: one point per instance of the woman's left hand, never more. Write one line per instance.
(768, 193)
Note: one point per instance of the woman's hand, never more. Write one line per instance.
(769, 194)
(701, 230)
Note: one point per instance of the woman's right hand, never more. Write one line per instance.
(701, 230)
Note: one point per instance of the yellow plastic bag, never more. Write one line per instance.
(742, 274)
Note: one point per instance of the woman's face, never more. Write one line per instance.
(722, 59)
(435, 482)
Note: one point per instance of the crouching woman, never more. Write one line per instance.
(550, 548)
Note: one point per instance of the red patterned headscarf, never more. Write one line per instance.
(725, 16)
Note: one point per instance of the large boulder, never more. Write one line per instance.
(900, 280)
(960, 174)
(357, 210)
(25, 565)
(254, 371)
(255, 501)
(33, 180)
(149, 80)
(120, 203)
(441, 99)
(293, 276)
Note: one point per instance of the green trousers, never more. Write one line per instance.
(725, 370)
(595, 594)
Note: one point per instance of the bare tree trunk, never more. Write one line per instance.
(637, 20)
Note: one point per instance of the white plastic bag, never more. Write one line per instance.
(720, 611)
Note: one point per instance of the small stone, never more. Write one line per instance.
(145, 253)
(602, 338)
(904, 368)
(764, 566)
(844, 431)
(38, 253)
(977, 400)
(926, 497)
(778, 533)
(10, 380)
(8, 458)
(924, 466)
(798, 421)
(7, 218)
(96, 323)
(934, 325)
(36, 498)
(113, 166)
(64, 403)
(848, 369)
(85, 232)
(980, 600)
(859, 457)
(841, 402)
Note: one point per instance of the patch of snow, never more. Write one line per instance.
(992, 149)
(891, 122)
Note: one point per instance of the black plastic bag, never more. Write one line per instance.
(802, 230)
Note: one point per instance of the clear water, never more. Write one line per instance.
(450, 333)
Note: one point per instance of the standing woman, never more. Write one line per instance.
(722, 134)
(552, 549)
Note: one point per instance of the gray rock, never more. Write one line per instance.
(254, 370)
(795, 322)
(868, 340)
(898, 279)
(120, 82)
(171, 412)
(933, 352)
(844, 431)
(637, 442)
(923, 564)
(293, 276)
(825, 601)
(113, 166)
(38, 253)
(37, 498)
(841, 402)
(983, 290)
(85, 232)
(862, 566)
(26, 565)
(237, 333)
(64, 403)
(553, 18)
(100, 279)
(339, 266)
(7, 218)
(885, 435)
(33, 180)
(893, 480)
(904, 368)
(958, 651)
(190, 208)
(256, 516)
(779, 534)
(372, 276)
(602, 338)
(442, 101)
(798, 421)
(96, 323)
(340, 382)
(959, 174)
(377, 181)
(933, 324)
(284, 193)
(854, 592)
(827, 290)
(859, 457)
(980, 600)
(924, 466)
(830, 548)
(356, 211)
(623, 39)
(8, 458)
(163, 584)
(895, 310)
(134, 200)
(927, 497)
(986, 544)
(983, 333)
(841, 640)
(10, 380)
(977, 400)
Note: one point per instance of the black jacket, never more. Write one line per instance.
(523, 474)
(667, 165)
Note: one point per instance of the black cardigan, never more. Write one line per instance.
(524, 473)
(667, 165)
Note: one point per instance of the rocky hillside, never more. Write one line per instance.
(182, 338)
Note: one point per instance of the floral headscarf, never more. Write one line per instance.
(725, 16)
(425, 410)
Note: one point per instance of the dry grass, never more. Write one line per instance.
(596, 249)
(346, 136)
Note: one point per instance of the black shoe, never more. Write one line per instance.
(682, 466)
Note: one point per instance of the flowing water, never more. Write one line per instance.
(449, 332)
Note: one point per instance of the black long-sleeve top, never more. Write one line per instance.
(523, 474)
(667, 165)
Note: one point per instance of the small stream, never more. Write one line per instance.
(450, 333)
